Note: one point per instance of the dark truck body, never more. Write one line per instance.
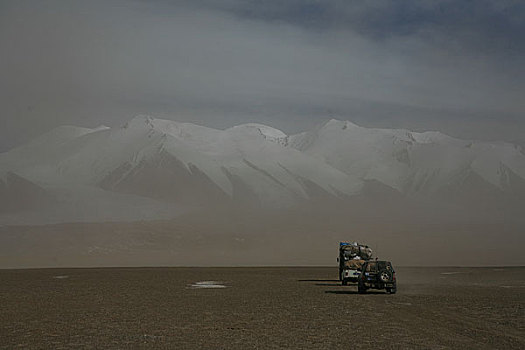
(377, 275)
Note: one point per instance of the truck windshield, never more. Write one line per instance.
(384, 265)
(378, 266)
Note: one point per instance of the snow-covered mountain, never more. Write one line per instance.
(253, 164)
(411, 162)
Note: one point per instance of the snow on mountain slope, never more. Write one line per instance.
(50, 141)
(42, 151)
(253, 163)
(364, 153)
(408, 161)
(244, 159)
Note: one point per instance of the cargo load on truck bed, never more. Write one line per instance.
(356, 264)
(352, 257)
(355, 250)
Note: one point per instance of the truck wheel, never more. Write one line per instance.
(385, 276)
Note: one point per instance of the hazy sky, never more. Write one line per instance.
(455, 66)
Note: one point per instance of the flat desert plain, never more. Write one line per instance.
(260, 308)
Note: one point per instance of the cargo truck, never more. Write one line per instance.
(352, 257)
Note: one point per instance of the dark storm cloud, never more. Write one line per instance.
(481, 25)
(454, 66)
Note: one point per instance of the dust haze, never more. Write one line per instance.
(232, 133)
(407, 232)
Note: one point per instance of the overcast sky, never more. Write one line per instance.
(454, 66)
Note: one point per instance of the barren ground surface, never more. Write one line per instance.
(260, 308)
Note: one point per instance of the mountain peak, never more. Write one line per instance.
(339, 124)
(140, 120)
(266, 131)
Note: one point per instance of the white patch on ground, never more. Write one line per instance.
(207, 284)
(61, 277)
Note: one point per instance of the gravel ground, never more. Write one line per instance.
(259, 308)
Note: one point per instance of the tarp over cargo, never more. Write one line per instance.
(354, 264)
(353, 250)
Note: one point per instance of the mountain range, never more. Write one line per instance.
(154, 168)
